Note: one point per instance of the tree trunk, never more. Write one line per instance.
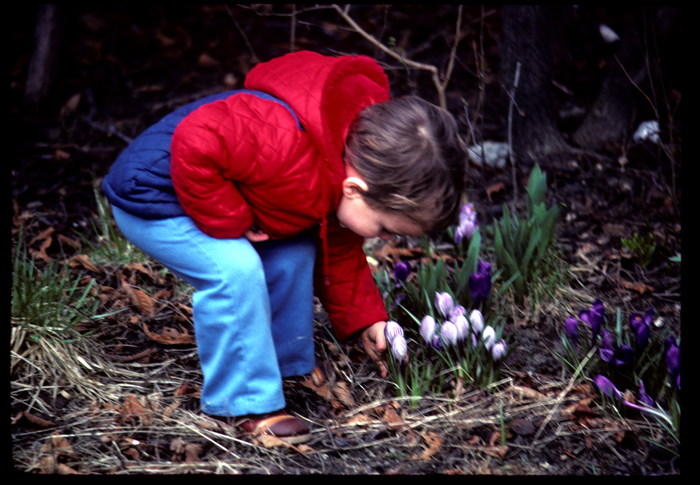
(526, 39)
(44, 61)
(611, 118)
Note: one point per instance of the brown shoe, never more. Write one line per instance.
(280, 424)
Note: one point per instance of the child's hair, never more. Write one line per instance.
(412, 159)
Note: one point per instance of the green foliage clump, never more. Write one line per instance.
(642, 247)
(521, 246)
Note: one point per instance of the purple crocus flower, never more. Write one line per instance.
(467, 223)
(571, 329)
(489, 337)
(594, 316)
(457, 310)
(437, 343)
(392, 330)
(626, 355)
(444, 304)
(605, 386)
(606, 349)
(401, 271)
(499, 349)
(399, 349)
(477, 321)
(480, 282)
(641, 326)
(462, 326)
(448, 333)
(427, 329)
(673, 360)
(643, 396)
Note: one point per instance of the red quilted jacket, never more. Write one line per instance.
(244, 160)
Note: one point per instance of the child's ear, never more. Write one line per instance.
(353, 187)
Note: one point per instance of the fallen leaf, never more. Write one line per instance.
(495, 451)
(205, 60)
(37, 421)
(360, 420)
(341, 391)
(321, 390)
(615, 230)
(528, 393)
(523, 427)
(639, 287)
(41, 252)
(187, 389)
(84, 261)
(434, 442)
(139, 298)
(192, 451)
(492, 189)
(140, 268)
(43, 235)
(133, 410)
(170, 336)
(270, 441)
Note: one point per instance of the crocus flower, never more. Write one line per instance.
(489, 337)
(457, 310)
(571, 329)
(427, 329)
(594, 316)
(467, 223)
(626, 355)
(606, 349)
(480, 282)
(448, 332)
(605, 386)
(437, 343)
(673, 360)
(499, 349)
(462, 326)
(392, 330)
(641, 325)
(444, 304)
(401, 271)
(399, 349)
(643, 396)
(477, 321)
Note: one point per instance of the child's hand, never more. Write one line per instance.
(255, 235)
(375, 344)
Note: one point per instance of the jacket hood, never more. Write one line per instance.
(326, 93)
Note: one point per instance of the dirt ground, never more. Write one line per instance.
(137, 409)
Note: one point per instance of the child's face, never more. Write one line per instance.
(354, 213)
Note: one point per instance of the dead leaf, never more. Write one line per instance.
(341, 391)
(44, 235)
(523, 427)
(140, 268)
(68, 241)
(495, 451)
(492, 189)
(84, 261)
(192, 451)
(639, 287)
(615, 230)
(187, 388)
(41, 252)
(134, 410)
(434, 442)
(37, 421)
(360, 420)
(528, 393)
(321, 390)
(270, 441)
(205, 60)
(170, 336)
(139, 298)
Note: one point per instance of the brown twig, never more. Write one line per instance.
(130, 358)
(439, 86)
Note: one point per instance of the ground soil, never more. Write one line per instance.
(130, 68)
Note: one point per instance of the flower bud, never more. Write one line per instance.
(448, 332)
(477, 321)
(391, 331)
(462, 326)
(427, 329)
(489, 337)
(605, 386)
(571, 329)
(456, 311)
(399, 349)
(499, 350)
(401, 271)
(444, 304)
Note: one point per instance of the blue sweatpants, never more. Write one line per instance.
(252, 311)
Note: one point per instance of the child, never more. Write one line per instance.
(261, 197)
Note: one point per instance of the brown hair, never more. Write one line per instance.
(412, 159)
